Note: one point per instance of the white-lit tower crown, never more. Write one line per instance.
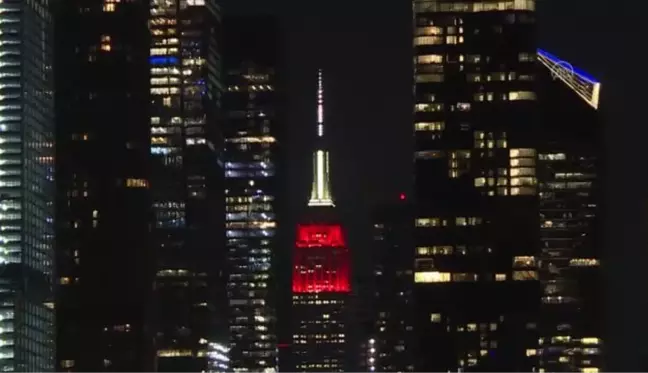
(321, 192)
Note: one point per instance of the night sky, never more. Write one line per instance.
(364, 48)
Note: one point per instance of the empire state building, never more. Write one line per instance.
(321, 271)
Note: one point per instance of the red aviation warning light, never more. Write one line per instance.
(321, 261)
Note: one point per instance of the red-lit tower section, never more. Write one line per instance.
(321, 274)
(321, 260)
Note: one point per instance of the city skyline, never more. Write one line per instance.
(483, 183)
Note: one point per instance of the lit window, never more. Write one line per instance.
(522, 95)
(463, 106)
(590, 341)
(522, 171)
(522, 153)
(427, 222)
(106, 47)
(429, 126)
(464, 277)
(428, 40)
(428, 154)
(65, 280)
(524, 261)
(429, 30)
(428, 107)
(429, 58)
(526, 57)
(500, 277)
(435, 317)
(174, 353)
(523, 181)
(525, 275)
(136, 183)
(429, 78)
(583, 262)
(434, 276)
(462, 221)
(529, 191)
(67, 363)
(434, 250)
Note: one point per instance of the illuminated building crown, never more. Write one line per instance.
(321, 192)
(588, 88)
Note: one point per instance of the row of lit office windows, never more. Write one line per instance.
(436, 276)
(437, 222)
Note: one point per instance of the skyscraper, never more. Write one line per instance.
(26, 187)
(104, 258)
(477, 291)
(218, 361)
(569, 160)
(507, 164)
(392, 335)
(251, 188)
(186, 182)
(321, 272)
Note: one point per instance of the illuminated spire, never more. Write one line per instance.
(321, 192)
(320, 105)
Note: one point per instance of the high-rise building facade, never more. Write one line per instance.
(218, 360)
(476, 286)
(251, 188)
(26, 187)
(392, 337)
(186, 182)
(103, 256)
(321, 283)
(569, 174)
(506, 266)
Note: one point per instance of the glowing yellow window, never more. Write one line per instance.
(137, 183)
(433, 276)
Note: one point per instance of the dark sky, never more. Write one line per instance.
(363, 47)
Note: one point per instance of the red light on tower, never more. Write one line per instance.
(402, 196)
(321, 262)
(320, 235)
